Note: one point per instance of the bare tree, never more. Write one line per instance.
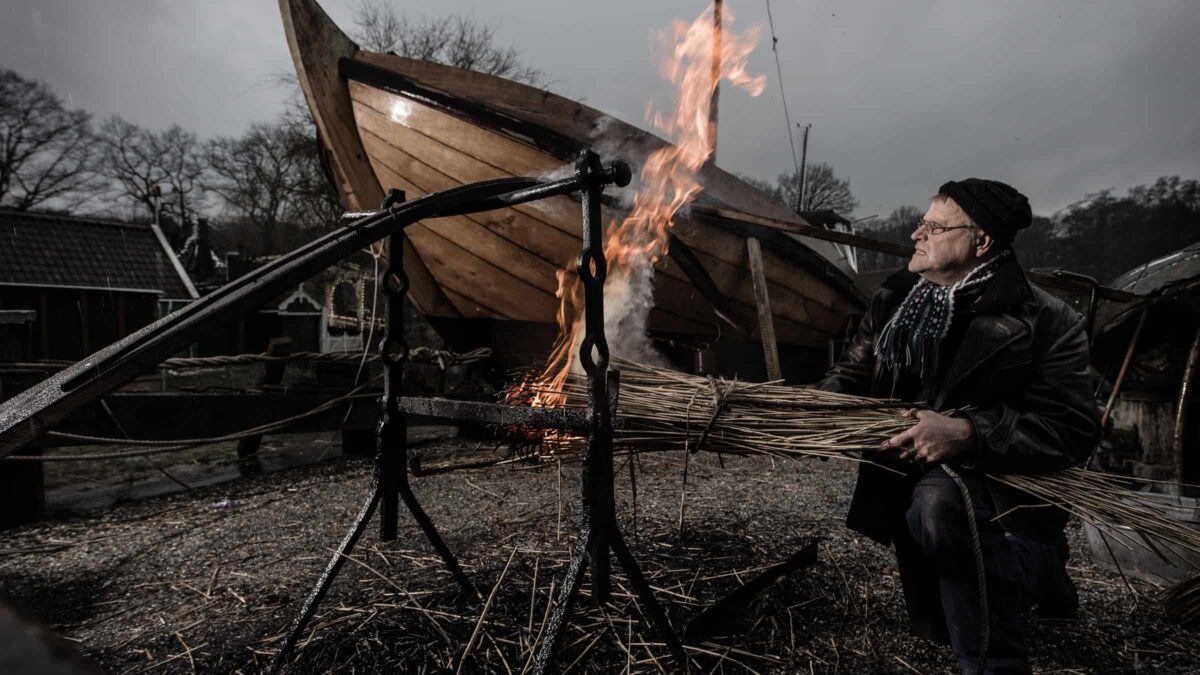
(455, 40)
(139, 161)
(896, 228)
(259, 175)
(903, 220)
(1168, 191)
(46, 151)
(764, 187)
(316, 202)
(823, 190)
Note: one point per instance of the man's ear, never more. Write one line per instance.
(983, 243)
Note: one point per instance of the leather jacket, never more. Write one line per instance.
(1020, 367)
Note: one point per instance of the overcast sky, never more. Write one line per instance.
(1058, 98)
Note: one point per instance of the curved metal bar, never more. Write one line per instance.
(30, 414)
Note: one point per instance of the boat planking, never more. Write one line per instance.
(388, 122)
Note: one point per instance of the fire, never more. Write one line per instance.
(668, 181)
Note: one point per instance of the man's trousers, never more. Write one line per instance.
(938, 571)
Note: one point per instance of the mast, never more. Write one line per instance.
(714, 102)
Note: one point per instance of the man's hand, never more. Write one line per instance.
(934, 438)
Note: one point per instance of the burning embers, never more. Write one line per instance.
(668, 181)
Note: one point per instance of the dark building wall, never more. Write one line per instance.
(251, 333)
(72, 323)
(304, 329)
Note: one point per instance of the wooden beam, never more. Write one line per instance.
(1053, 279)
(806, 230)
(1046, 278)
(272, 373)
(766, 322)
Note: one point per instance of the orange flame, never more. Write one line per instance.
(668, 179)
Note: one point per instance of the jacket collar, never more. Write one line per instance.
(987, 337)
(1009, 287)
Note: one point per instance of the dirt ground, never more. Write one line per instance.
(208, 580)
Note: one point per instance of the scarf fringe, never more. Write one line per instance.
(911, 338)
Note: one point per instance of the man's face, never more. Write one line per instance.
(946, 257)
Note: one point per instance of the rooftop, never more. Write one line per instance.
(40, 249)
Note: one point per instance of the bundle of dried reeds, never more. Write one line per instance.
(661, 409)
(1181, 602)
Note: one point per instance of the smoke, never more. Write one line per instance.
(668, 180)
(629, 289)
(628, 299)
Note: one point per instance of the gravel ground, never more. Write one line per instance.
(208, 580)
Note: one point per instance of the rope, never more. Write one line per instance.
(984, 625)
(783, 97)
(158, 447)
(720, 403)
(422, 354)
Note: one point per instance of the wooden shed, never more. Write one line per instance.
(1150, 351)
(88, 281)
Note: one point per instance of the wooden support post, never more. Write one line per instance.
(272, 373)
(22, 491)
(1179, 442)
(1129, 351)
(85, 346)
(43, 318)
(762, 302)
(122, 324)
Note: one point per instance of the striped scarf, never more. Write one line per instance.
(910, 339)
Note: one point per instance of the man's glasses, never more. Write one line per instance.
(935, 229)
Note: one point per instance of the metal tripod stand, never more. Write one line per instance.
(600, 532)
(389, 481)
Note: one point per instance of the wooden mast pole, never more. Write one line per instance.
(714, 104)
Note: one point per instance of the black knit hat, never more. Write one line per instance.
(997, 208)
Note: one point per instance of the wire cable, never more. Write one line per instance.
(782, 96)
(157, 447)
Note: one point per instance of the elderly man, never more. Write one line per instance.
(998, 373)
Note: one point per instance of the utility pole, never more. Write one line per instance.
(714, 101)
(803, 167)
(156, 197)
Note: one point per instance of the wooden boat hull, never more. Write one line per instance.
(390, 122)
